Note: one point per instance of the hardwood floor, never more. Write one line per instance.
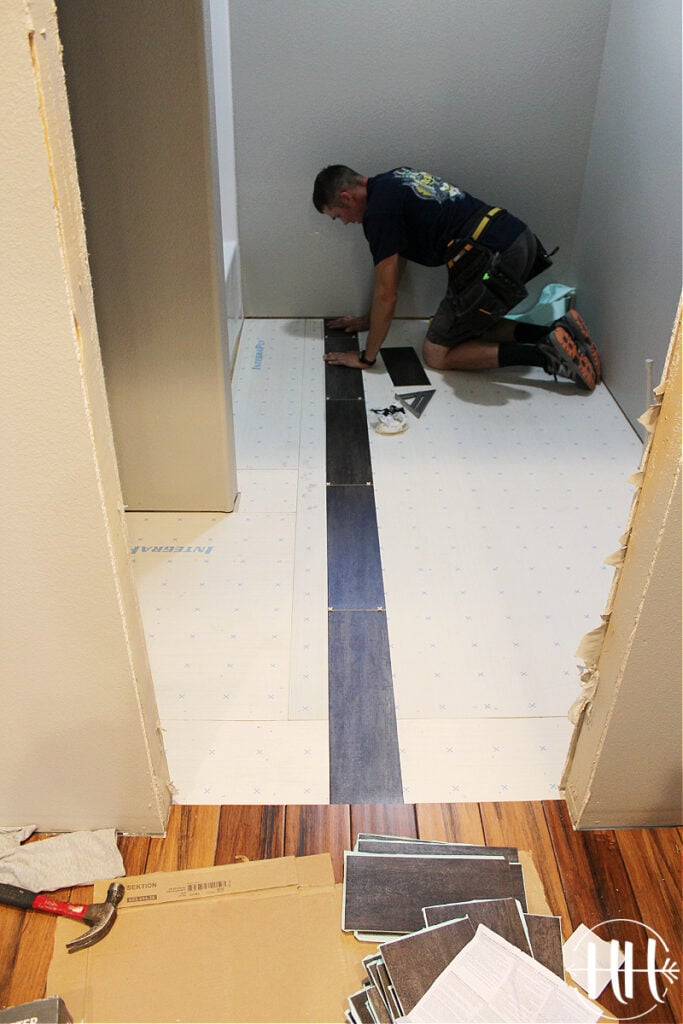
(589, 877)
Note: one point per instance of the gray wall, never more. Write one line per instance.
(139, 97)
(628, 247)
(496, 95)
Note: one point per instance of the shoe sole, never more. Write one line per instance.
(578, 328)
(576, 362)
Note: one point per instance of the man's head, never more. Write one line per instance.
(341, 194)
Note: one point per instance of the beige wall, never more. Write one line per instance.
(138, 88)
(79, 745)
(625, 768)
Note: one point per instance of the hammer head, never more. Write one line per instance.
(101, 916)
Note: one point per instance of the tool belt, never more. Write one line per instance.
(471, 232)
(477, 284)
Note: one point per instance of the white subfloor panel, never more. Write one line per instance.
(463, 760)
(495, 511)
(223, 762)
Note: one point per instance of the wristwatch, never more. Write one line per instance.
(368, 362)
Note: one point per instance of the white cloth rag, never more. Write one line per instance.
(75, 858)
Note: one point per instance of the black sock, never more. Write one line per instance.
(514, 354)
(530, 333)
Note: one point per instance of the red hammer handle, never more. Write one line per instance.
(24, 899)
(51, 906)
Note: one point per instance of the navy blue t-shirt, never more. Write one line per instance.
(416, 214)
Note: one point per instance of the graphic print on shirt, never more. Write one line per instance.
(428, 186)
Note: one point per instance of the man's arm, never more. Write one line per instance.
(385, 294)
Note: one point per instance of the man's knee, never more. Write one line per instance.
(434, 355)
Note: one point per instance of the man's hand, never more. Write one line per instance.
(349, 359)
(350, 324)
(377, 323)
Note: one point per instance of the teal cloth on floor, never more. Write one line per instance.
(553, 302)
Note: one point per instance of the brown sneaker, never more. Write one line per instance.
(578, 329)
(566, 359)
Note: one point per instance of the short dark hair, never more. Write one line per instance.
(330, 182)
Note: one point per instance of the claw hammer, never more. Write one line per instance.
(100, 915)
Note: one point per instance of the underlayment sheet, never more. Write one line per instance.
(485, 759)
(248, 762)
(495, 510)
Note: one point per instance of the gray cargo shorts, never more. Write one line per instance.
(469, 312)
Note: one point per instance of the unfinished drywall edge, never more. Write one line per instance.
(656, 511)
(49, 104)
(623, 648)
(619, 794)
(591, 643)
(51, 81)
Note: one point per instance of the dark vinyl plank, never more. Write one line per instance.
(354, 568)
(501, 916)
(513, 823)
(415, 961)
(379, 975)
(437, 849)
(545, 934)
(361, 1010)
(364, 758)
(347, 443)
(519, 887)
(341, 382)
(379, 1007)
(337, 340)
(386, 893)
(404, 366)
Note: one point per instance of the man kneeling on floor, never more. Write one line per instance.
(490, 255)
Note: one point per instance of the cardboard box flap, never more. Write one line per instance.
(224, 880)
(537, 902)
(229, 956)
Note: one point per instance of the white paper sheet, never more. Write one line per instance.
(576, 958)
(491, 980)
